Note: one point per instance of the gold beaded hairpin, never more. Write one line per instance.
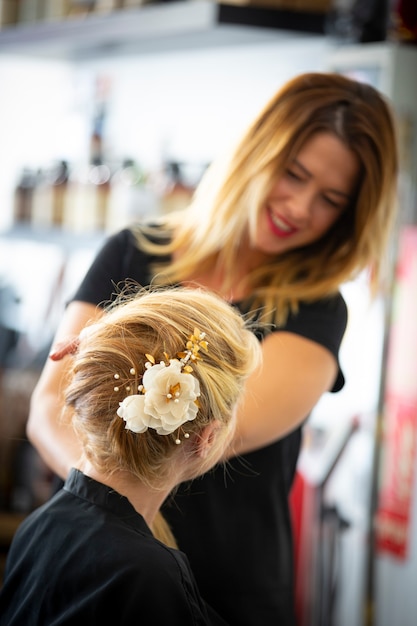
(168, 395)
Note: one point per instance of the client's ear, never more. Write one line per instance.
(206, 438)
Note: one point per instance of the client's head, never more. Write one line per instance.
(154, 384)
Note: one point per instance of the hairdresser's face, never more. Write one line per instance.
(310, 197)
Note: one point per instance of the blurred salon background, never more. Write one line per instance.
(111, 110)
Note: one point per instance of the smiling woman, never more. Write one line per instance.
(310, 196)
(304, 203)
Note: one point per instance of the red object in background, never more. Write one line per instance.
(393, 523)
(303, 505)
(395, 500)
(296, 504)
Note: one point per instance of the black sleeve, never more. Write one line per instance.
(118, 260)
(325, 323)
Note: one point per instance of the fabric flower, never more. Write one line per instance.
(169, 400)
(132, 410)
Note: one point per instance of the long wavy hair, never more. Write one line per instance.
(227, 202)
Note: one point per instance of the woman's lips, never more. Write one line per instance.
(279, 226)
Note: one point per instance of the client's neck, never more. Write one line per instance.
(145, 500)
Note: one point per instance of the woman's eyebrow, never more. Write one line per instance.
(301, 167)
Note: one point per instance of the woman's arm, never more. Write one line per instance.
(294, 375)
(54, 440)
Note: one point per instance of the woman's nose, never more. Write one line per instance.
(301, 204)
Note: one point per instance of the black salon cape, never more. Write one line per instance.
(234, 524)
(87, 557)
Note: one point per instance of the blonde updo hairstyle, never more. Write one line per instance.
(156, 322)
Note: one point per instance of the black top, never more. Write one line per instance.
(87, 557)
(234, 524)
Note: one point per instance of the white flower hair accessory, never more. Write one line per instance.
(168, 395)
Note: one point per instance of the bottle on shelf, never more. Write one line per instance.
(49, 195)
(86, 200)
(9, 13)
(107, 6)
(59, 184)
(131, 198)
(56, 10)
(98, 186)
(23, 197)
(133, 4)
(30, 11)
(42, 200)
(176, 193)
(80, 8)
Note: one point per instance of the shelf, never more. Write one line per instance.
(66, 240)
(189, 24)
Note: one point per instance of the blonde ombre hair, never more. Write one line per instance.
(156, 321)
(227, 202)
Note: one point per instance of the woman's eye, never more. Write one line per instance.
(333, 203)
(294, 175)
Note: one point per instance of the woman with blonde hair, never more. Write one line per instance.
(151, 395)
(304, 203)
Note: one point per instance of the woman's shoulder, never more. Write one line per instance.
(323, 321)
(330, 313)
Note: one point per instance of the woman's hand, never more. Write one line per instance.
(62, 348)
